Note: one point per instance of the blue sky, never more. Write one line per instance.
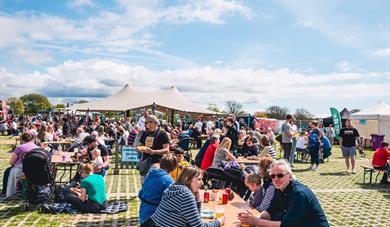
(311, 54)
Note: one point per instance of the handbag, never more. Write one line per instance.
(279, 138)
(144, 166)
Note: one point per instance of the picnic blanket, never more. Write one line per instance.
(57, 208)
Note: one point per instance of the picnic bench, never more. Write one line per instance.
(369, 169)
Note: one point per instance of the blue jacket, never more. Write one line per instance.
(151, 193)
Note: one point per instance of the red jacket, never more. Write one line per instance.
(208, 156)
(380, 157)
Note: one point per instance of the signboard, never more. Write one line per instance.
(336, 121)
(129, 154)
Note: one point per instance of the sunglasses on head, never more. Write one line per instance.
(279, 175)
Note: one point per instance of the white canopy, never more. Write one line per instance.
(378, 111)
(129, 98)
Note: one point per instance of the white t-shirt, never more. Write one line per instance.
(141, 123)
(209, 125)
(301, 142)
(198, 125)
(98, 161)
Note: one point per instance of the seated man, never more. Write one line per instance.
(293, 204)
(379, 160)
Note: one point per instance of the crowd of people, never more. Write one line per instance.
(276, 193)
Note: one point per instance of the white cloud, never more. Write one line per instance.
(256, 87)
(79, 3)
(32, 57)
(343, 66)
(382, 53)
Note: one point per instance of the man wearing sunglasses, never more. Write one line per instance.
(293, 204)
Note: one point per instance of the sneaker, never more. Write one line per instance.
(310, 168)
(353, 171)
(315, 168)
(346, 171)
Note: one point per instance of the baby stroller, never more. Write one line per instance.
(39, 177)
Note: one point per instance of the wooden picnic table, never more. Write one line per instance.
(242, 160)
(232, 208)
(63, 161)
(64, 143)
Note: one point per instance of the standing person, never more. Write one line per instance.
(232, 132)
(197, 132)
(331, 134)
(150, 195)
(156, 141)
(293, 204)
(287, 135)
(180, 203)
(314, 146)
(379, 160)
(141, 121)
(271, 136)
(348, 137)
(294, 130)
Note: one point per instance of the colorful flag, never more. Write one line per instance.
(336, 121)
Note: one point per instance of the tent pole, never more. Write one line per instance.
(172, 116)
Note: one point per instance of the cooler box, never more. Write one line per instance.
(376, 140)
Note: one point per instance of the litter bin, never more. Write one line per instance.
(376, 140)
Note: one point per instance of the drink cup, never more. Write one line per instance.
(206, 197)
(219, 212)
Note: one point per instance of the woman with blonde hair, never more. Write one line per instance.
(222, 153)
(179, 205)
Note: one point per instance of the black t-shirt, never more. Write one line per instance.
(103, 151)
(349, 136)
(154, 140)
(232, 133)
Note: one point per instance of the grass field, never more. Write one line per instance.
(345, 199)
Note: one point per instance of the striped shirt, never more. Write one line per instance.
(269, 150)
(178, 208)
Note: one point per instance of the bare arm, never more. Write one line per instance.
(162, 151)
(83, 195)
(13, 159)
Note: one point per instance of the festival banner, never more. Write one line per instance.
(336, 121)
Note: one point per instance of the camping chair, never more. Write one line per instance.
(184, 144)
(216, 174)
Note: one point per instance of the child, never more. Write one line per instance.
(302, 141)
(97, 160)
(181, 163)
(268, 149)
(253, 182)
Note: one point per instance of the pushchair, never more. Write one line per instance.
(39, 185)
(184, 144)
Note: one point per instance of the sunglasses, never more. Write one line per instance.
(279, 175)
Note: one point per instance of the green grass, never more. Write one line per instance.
(344, 198)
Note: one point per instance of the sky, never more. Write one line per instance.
(295, 53)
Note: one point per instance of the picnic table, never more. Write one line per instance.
(243, 160)
(63, 161)
(63, 142)
(232, 208)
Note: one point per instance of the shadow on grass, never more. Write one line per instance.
(334, 174)
(12, 211)
(131, 221)
(377, 186)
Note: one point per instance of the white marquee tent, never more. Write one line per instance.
(129, 98)
(373, 120)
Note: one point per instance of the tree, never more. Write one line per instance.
(16, 105)
(261, 114)
(235, 108)
(34, 103)
(214, 107)
(277, 112)
(303, 114)
(60, 106)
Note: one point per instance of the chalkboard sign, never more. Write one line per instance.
(129, 154)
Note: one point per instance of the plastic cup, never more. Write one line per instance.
(219, 212)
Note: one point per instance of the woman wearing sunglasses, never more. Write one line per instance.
(293, 204)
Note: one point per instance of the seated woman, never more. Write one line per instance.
(222, 153)
(250, 149)
(268, 149)
(208, 157)
(16, 171)
(180, 204)
(90, 196)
